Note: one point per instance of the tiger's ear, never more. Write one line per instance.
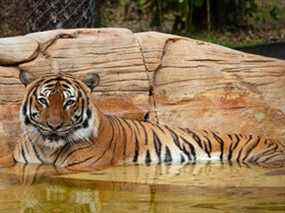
(92, 80)
(25, 77)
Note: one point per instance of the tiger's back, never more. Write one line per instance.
(146, 143)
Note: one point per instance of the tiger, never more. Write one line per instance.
(63, 127)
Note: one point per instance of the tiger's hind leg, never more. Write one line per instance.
(274, 156)
(266, 152)
(276, 160)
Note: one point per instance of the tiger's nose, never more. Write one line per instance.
(54, 125)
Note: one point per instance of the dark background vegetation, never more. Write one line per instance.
(233, 23)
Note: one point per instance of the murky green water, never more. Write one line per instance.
(189, 188)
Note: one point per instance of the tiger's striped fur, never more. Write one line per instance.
(96, 139)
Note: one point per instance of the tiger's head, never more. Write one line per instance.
(57, 108)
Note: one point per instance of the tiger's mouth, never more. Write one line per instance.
(56, 135)
(69, 134)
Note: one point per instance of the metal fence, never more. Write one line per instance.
(52, 14)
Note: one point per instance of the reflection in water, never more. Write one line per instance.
(156, 188)
(28, 188)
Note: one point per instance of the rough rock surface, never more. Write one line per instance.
(17, 49)
(176, 80)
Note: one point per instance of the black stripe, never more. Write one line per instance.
(80, 122)
(251, 148)
(110, 142)
(158, 126)
(168, 157)
(85, 124)
(30, 119)
(230, 136)
(113, 154)
(75, 84)
(79, 92)
(136, 132)
(66, 86)
(125, 139)
(239, 155)
(73, 151)
(206, 149)
(237, 142)
(191, 147)
(27, 120)
(196, 138)
(135, 159)
(269, 143)
(47, 81)
(233, 146)
(230, 153)
(60, 152)
(205, 131)
(89, 113)
(270, 151)
(241, 150)
(126, 122)
(24, 108)
(209, 145)
(116, 127)
(182, 159)
(221, 142)
(23, 154)
(145, 133)
(273, 156)
(174, 136)
(82, 110)
(132, 133)
(136, 128)
(59, 78)
(79, 162)
(55, 152)
(37, 154)
(157, 145)
(147, 158)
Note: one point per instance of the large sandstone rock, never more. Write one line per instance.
(176, 80)
(17, 49)
(205, 85)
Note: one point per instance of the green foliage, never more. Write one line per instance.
(193, 15)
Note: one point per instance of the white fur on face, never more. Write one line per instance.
(79, 135)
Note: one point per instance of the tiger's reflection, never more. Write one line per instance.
(31, 188)
(29, 174)
(40, 188)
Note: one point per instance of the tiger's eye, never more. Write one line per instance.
(43, 101)
(69, 102)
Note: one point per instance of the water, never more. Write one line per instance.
(274, 50)
(161, 188)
